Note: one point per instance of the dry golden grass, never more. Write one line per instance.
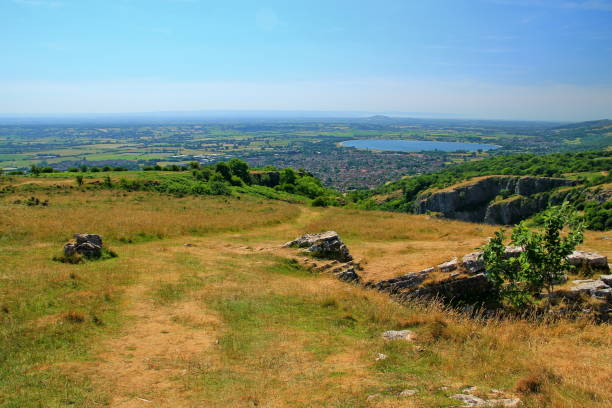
(392, 244)
(229, 322)
(133, 216)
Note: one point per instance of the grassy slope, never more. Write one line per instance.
(230, 321)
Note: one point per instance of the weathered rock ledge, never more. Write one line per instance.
(475, 201)
(464, 280)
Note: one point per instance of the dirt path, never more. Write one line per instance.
(154, 349)
(143, 366)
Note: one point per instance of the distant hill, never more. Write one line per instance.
(595, 134)
(593, 125)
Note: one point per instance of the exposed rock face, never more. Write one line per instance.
(473, 202)
(88, 245)
(327, 245)
(514, 209)
(589, 260)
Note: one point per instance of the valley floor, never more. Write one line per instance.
(202, 308)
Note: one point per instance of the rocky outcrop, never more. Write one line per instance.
(325, 245)
(473, 262)
(404, 282)
(469, 289)
(594, 288)
(474, 201)
(589, 260)
(346, 271)
(87, 245)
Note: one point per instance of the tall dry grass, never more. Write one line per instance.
(133, 216)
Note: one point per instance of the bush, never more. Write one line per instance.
(543, 261)
(319, 202)
(236, 181)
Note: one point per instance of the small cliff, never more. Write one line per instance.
(475, 200)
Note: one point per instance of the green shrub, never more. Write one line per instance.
(543, 261)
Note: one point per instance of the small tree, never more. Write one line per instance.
(79, 180)
(543, 260)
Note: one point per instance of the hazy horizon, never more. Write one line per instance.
(542, 60)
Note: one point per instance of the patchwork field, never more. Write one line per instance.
(203, 308)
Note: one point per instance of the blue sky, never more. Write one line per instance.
(506, 59)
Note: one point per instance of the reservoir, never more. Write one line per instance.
(416, 145)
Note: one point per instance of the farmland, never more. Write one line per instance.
(309, 144)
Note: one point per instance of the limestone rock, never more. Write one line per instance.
(594, 288)
(326, 245)
(469, 400)
(473, 401)
(407, 335)
(589, 260)
(475, 200)
(408, 393)
(607, 279)
(87, 245)
(448, 266)
(512, 251)
(381, 356)
(348, 275)
(403, 282)
(473, 262)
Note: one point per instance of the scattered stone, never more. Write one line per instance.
(87, 245)
(190, 245)
(469, 400)
(326, 245)
(380, 357)
(589, 260)
(469, 390)
(399, 335)
(448, 266)
(428, 270)
(408, 393)
(443, 388)
(372, 397)
(473, 262)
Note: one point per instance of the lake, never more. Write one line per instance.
(416, 145)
